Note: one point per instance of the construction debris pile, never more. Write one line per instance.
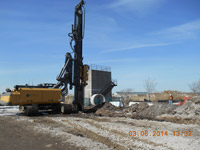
(108, 109)
(190, 108)
(187, 113)
(144, 111)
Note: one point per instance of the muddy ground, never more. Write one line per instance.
(139, 127)
(85, 131)
(19, 135)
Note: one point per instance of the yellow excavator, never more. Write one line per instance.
(31, 99)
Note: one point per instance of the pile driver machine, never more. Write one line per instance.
(72, 75)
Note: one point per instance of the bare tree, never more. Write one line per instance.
(195, 87)
(150, 86)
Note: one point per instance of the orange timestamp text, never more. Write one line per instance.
(160, 133)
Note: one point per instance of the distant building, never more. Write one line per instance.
(132, 93)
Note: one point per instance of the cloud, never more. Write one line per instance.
(138, 46)
(140, 7)
(170, 36)
(185, 31)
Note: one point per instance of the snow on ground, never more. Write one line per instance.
(9, 110)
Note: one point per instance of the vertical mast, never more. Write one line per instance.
(77, 32)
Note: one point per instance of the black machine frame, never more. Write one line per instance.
(72, 73)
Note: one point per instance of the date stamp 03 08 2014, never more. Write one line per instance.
(160, 133)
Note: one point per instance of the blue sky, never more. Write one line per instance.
(139, 39)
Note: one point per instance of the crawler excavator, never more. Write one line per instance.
(73, 75)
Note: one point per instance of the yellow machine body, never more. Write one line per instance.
(27, 96)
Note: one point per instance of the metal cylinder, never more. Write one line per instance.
(97, 99)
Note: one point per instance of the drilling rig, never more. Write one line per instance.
(72, 75)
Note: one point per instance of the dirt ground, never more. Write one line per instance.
(85, 131)
(139, 127)
(19, 135)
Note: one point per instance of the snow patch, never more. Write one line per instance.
(9, 110)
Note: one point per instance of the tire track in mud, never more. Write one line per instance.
(115, 134)
(96, 137)
(73, 125)
(125, 135)
(64, 131)
(79, 131)
(101, 129)
(84, 132)
(152, 126)
(112, 131)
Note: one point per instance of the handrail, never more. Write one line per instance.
(100, 68)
